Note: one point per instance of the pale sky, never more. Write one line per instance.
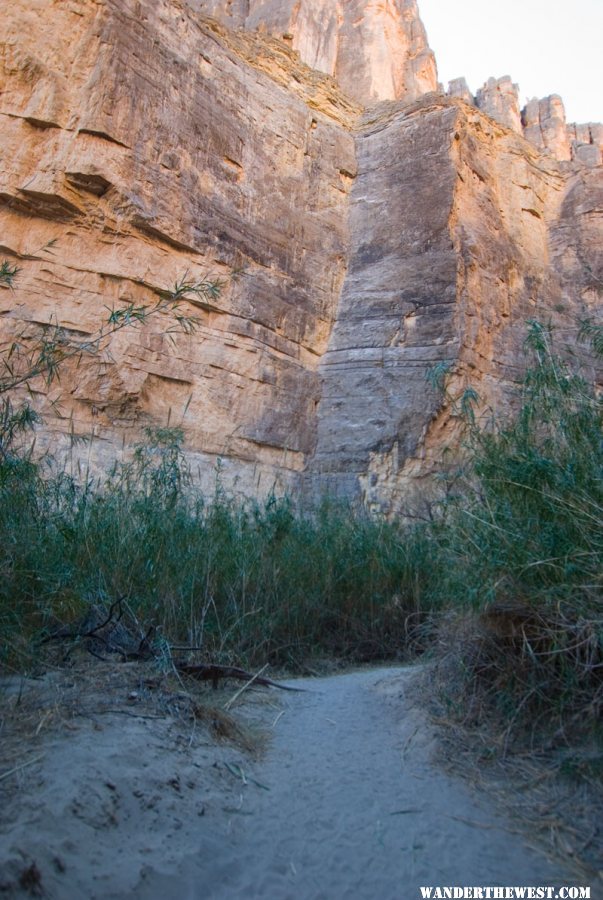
(546, 46)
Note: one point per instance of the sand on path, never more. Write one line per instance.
(346, 802)
(355, 809)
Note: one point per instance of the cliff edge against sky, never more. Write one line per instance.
(384, 225)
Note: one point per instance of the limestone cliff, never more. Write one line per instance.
(542, 122)
(376, 49)
(149, 140)
(460, 232)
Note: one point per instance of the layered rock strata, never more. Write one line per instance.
(139, 138)
(460, 232)
(152, 142)
(376, 50)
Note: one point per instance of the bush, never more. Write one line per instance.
(523, 547)
(246, 582)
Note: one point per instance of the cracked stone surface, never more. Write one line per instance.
(380, 233)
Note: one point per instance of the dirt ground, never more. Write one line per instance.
(118, 782)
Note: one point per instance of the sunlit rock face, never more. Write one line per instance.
(545, 126)
(150, 141)
(375, 49)
(152, 145)
(499, 98)
(541, 121)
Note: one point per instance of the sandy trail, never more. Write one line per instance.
(346, 802)
(354, 809)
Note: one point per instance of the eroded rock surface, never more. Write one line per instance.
(499, 98)
(460, 233)
(149, 148)
(153, 142)
(542, 121)
(376, 50)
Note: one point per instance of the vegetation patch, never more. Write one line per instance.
(522, 551)
(503, 584)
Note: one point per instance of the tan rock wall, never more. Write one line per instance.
(461, 233)
(542, 121)
(376, 50)
(169, 155)
(151, 142)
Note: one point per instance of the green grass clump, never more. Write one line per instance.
(522, 547)
(247, 582)
(529, 528)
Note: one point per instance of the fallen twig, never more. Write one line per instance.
(126, 712)
(116, 605)
(238, 772)
(24, 765)
(213, 673)
(482, 824)
(247, 684)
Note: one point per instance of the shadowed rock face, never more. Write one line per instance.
(151, 142)
(459, 233)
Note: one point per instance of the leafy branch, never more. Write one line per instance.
(54, 346)
(592, 333)
(27, 357)
(8, 273)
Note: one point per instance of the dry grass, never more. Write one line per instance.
(539, 673)
(546, 776)
(557, 814)
(32, 709)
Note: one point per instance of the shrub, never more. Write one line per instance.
(523, 547)
(514, 555)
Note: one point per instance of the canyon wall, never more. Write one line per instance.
(376, 49)
(541, 121)
(460, 232)
(140, 139)
(381, 226)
